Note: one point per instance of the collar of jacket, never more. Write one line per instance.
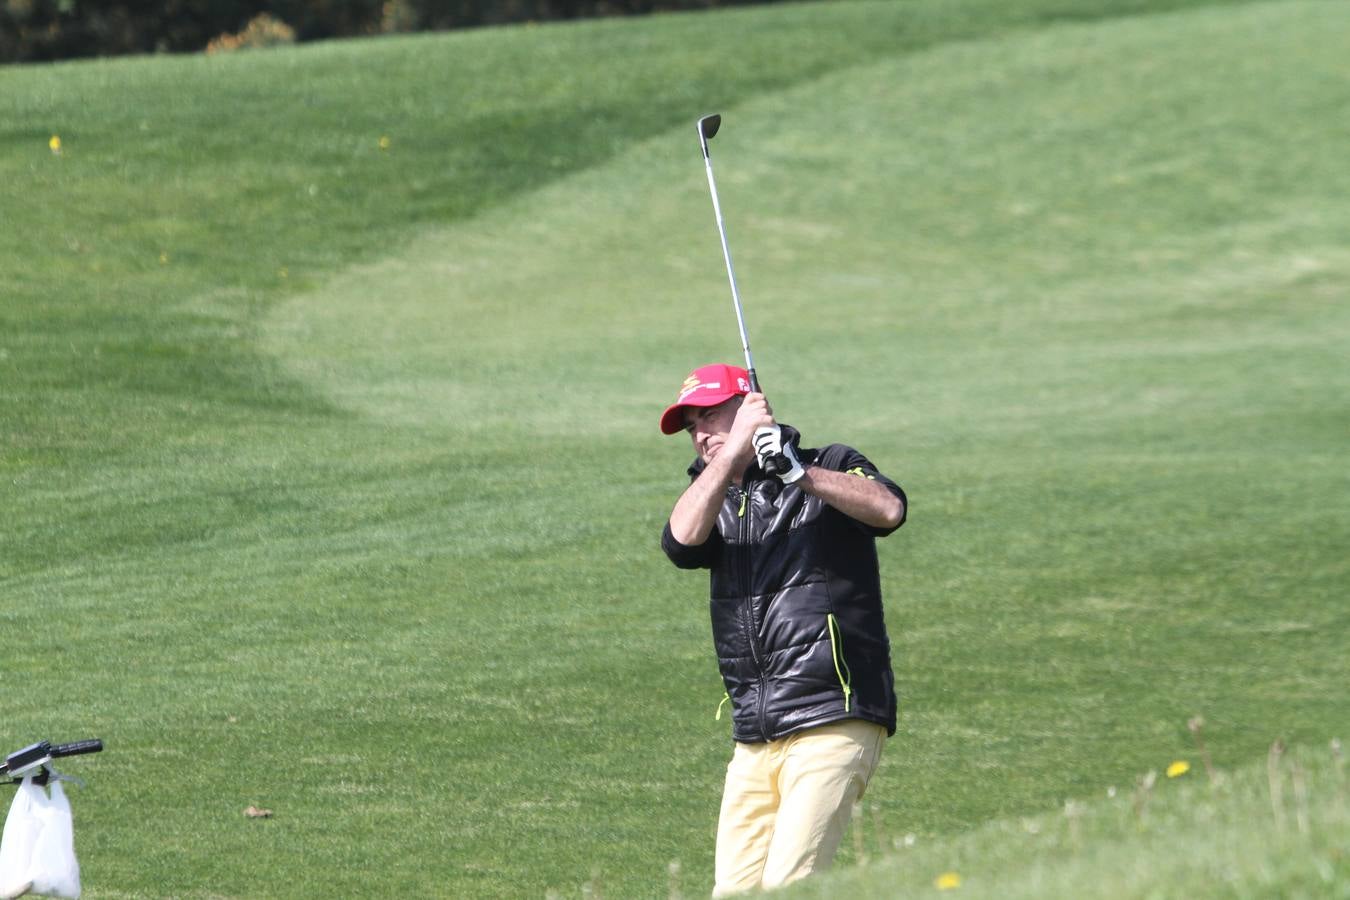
(754, 473)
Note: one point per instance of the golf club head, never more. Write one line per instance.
(708, 125)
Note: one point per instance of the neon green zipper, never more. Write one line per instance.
(725, 700)
(840, 664)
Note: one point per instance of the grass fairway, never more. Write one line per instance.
(331, 476)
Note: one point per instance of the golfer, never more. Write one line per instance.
(797, 623)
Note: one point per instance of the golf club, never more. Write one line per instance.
(773, 460)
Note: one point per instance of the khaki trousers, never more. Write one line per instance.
(786, 803)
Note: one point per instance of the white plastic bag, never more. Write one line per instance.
(16, 847)
(55, 871)
(37, 851)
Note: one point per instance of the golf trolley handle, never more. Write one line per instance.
(43, 751)
(78, 748)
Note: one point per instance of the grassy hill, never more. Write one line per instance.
(1277, 828)
(330, 378)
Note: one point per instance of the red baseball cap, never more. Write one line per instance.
(706, 386)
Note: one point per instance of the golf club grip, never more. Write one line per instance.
(93, 745)
(778, 463)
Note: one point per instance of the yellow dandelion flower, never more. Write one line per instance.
(55, 144)
(283, 273)
(1178, 768)
(384, 142)
(947, 881)
(164, 259)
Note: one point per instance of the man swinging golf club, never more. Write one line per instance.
(789, 536)
(797, 624)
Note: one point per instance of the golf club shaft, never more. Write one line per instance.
(731, 270)
(772, 458)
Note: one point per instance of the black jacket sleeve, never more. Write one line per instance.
(698, 556)
(845, 459)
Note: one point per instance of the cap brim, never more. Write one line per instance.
(672, 420)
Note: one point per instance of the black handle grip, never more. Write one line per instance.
(93, 745)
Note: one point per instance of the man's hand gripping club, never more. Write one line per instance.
(775, 457)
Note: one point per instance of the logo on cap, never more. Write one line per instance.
(692, 385)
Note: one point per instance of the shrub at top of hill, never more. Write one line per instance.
(36, 30)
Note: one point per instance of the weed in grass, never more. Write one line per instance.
(1275, 778)
(858, 827)
(1195, 725)
(1073, 812)
(673, 891)
(1143, 792)
(1340, 785)
(1300, 785)
(879, 838)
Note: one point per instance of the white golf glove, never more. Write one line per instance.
(772, 453)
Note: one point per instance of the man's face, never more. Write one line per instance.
(708, 426)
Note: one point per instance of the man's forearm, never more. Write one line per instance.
(695, 513)
(858, 498)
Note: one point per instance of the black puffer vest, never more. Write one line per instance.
(796, 603)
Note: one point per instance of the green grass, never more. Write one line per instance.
(331, 477)
(1278, 830)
